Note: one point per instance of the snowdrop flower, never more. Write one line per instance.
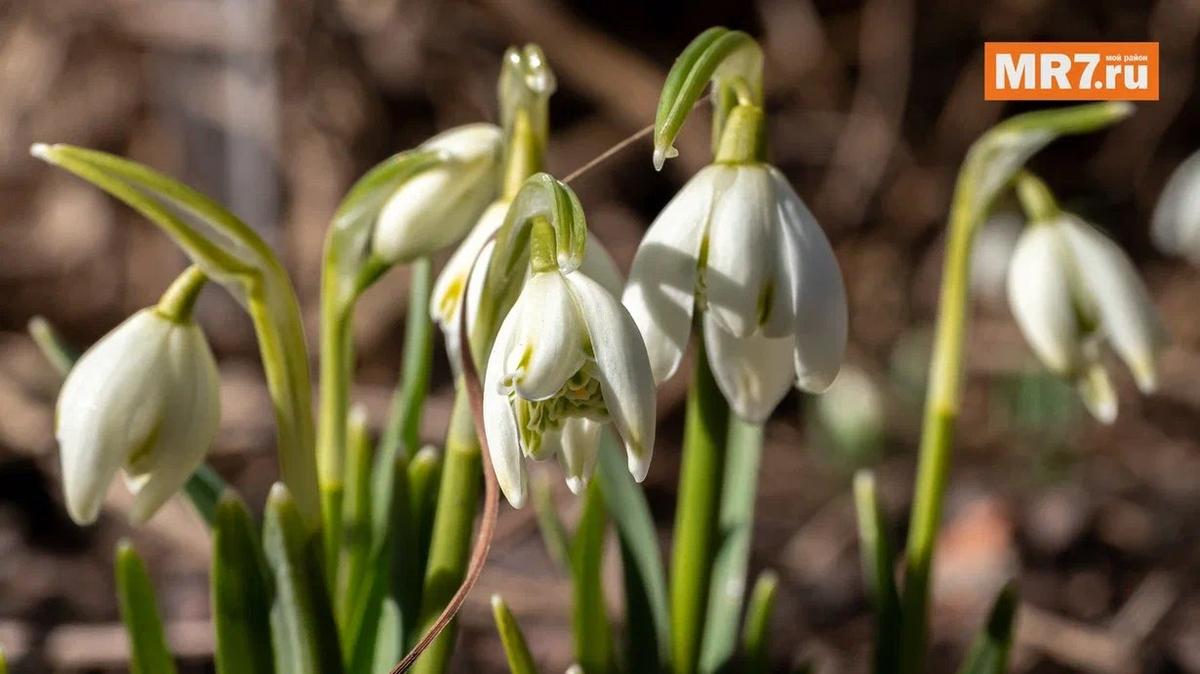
(739, 245)
(1070, 287)
(567, 359)
(1176, 222)
(472, 258)
(144, 399)
(434, 208)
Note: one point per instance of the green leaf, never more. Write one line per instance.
(554, 534)
(403, 427)
(719, 55)
(355, 544)
(515, 648)
(878, 563)
(241, 592)
(755, 651)
(989, 653)
(593, 638)
(649, 628)
(303, 630)
(424, 477)
(148, 652)
(739, 486)
(53, 347)
(375, 626)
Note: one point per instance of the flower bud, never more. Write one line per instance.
(145, 399)
(436, 207)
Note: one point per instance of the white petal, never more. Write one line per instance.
(580, 447)
(1039, 294)
(190, 417)
(622, 367)
(1125, 307)
(600, 267)
(1176, 223)
(754, 373)
(741, 249)
(468, 142)
(661, 290)
(504, 446)
(110, 406)
(548, 338)
(446, 297)
(817, 291)
(1096, 390)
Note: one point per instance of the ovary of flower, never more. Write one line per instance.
(471, 258)
(568, 358)
(145, 399)
(434, 208)
(738, 243)
(1070, 287)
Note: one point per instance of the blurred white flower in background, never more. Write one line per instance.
(1070, 288)
(1176, 222)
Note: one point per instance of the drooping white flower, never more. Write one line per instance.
(567, 359)
(472, 257)
(1070, 287)
(145, 399)
(738, 243)
(436, 207)
(1176, 222)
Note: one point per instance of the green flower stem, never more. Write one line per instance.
(179, 300)
(990, 166)
(705, 432)
(450, 545)
(404, 421)
(1036, 198)
(523, 154)
(337, 358)
(593, 637)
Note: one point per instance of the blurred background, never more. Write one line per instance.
(275, 107)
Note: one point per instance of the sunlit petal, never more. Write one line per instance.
(580, 447)
(504, 446)
(547, 339)
(741, 248)
(1039, 294)
(754, 373)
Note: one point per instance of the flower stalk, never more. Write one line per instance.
(990, 166)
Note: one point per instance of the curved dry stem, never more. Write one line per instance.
(491, 500)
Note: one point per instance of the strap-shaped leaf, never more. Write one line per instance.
(718, 55)
(303, 631)
(989, 653)
(735, 527)
(554, 534)
(649, 630)
(755, 636)
(593, 636)
(403, 427)
(424, 478)
(355, 544)
(515, 649)
(878, 563)
(148, 652)
(241, 592)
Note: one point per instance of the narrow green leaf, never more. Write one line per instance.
(389, 640)
(989, 653)
(303, 630)
(424, 478)
(515, 649)
(649, 630)
(3, 661)
(727, 584)
(878, 563)
(241, 592)
(403, 427)
(554, 534)
(593, 638)
(53, 347)
(148, 652)
(204, 489)
(355, 544)
(755, 636)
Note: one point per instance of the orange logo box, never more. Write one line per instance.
(1070, 71)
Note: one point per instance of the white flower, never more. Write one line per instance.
(568, 358)
(1176, 222)
(435, 208)
(739, 243)
(1070, 287)
(144, 398)
(472, 258)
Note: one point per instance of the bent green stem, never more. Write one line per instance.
(696, 514)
